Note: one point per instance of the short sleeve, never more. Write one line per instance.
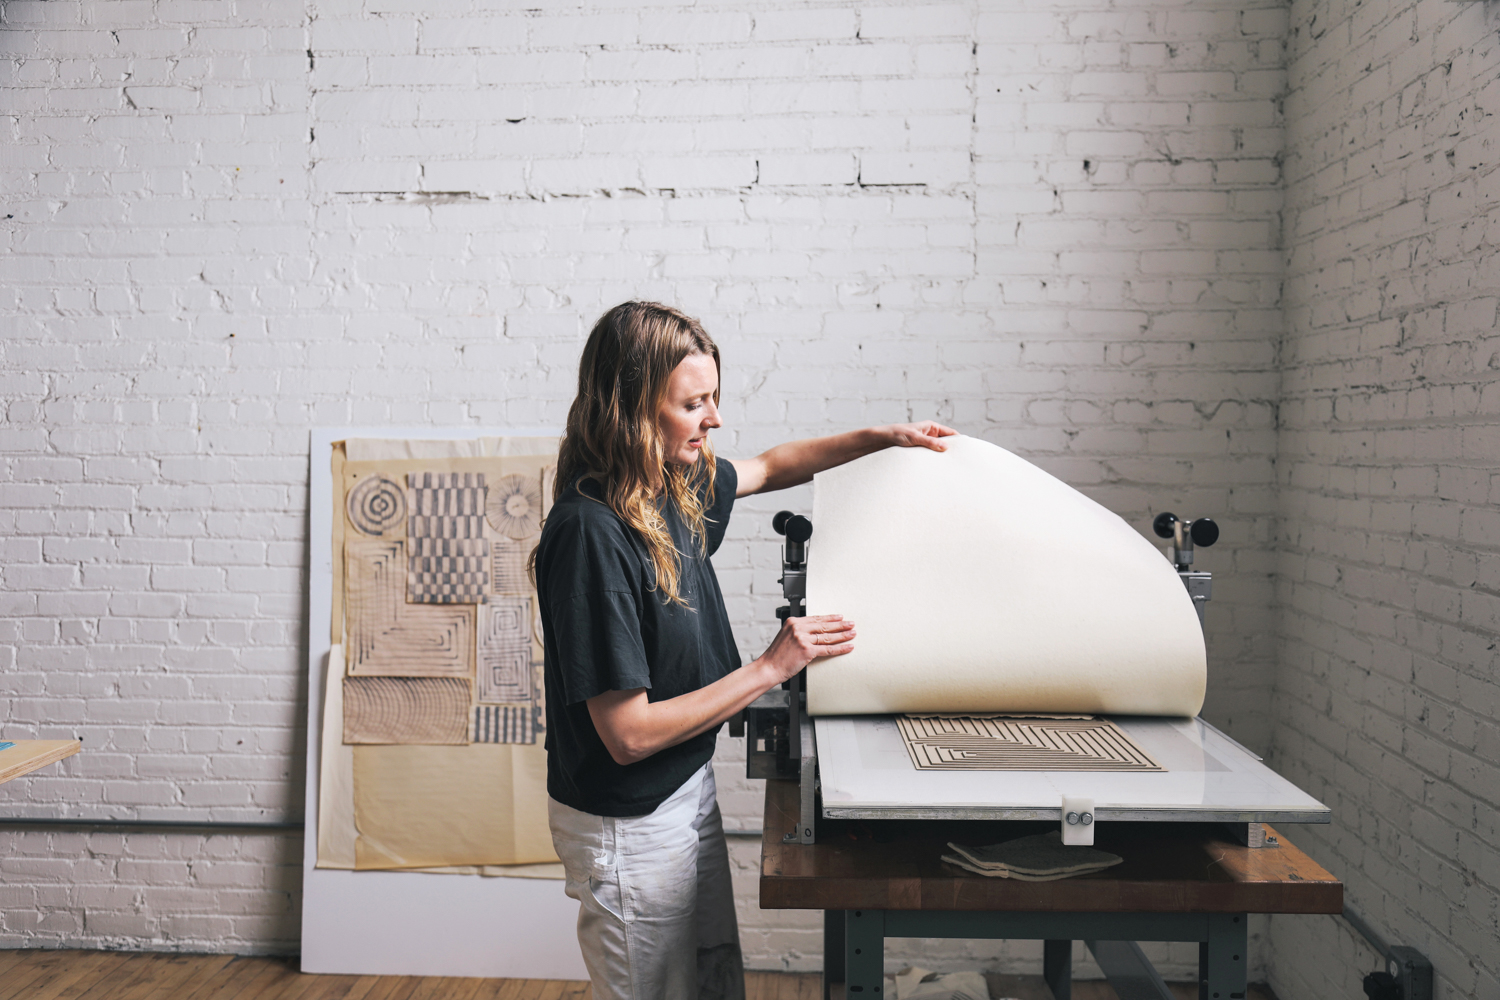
(590, 607)
(596, 637)
(716, 514)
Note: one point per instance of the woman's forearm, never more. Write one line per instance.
(633, 727)
(796, 462)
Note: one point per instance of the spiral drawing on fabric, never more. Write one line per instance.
(377, 505)
(514, 507)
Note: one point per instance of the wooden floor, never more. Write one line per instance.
(113, 975)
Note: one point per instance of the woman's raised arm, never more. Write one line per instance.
(796, 462)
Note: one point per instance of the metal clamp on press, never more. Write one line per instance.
(797, 530)
(780, 742)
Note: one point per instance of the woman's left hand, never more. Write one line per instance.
(920, 435)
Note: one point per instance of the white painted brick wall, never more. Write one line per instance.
(1052, 224)
(1386, 700)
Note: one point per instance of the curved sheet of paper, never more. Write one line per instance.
(979, 583)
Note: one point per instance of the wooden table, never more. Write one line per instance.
(28, 755)
(1178, 882)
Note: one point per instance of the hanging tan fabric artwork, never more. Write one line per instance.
(432, 755)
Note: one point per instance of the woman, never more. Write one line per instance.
(641, 666)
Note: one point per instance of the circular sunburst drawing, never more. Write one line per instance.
(377, 505)
(514, 507)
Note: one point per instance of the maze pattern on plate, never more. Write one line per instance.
(965, 743)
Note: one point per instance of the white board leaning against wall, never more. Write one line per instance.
(426, 851)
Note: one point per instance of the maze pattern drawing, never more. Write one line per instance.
(386, 635)
(505, 673)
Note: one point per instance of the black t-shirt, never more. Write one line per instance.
(606, 629)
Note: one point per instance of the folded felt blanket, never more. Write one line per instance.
(1041, 857)
(918, 983)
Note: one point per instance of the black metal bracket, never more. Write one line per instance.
(1407, 974)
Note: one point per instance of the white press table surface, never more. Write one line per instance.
(866, 773)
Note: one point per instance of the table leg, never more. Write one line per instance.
(1057, 968)
(864, 954)
(1221, 959)
(833, 950)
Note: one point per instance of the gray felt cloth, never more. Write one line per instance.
(1041, 857)
(917, 983)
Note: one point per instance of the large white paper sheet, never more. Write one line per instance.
(978, 582)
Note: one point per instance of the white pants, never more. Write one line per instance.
(656, 915)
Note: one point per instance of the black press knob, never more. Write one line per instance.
(1204, 532)
(1164, 525)
(795, 527)
(1382, 986)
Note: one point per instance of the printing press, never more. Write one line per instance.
(847, 808)
(856, 767)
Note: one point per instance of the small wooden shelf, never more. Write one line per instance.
(28, 755)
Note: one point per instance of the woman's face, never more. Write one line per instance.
(688, 413)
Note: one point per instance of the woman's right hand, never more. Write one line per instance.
(802, 640)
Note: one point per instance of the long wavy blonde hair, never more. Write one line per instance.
(612, 435)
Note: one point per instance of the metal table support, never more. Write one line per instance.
(855, 944)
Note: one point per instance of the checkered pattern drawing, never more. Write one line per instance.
(447, 555)
(504, 724)
(505, 673)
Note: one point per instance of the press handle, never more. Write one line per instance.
(795, 527)
(1203, 531)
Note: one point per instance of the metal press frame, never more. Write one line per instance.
(854, 946)
(783, 745)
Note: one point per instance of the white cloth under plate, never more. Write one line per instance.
(979, 583)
